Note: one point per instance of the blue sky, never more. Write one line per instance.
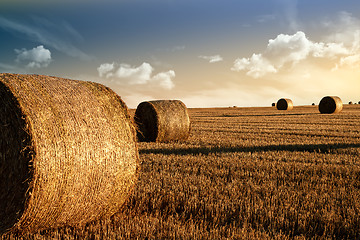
(206, 53)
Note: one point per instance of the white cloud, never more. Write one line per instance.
(288, 50)
(140, 75)
(50, 34)
(136, 75)
(352, 62)
(105, 70)
(346, 30)
(329, 50)
(256, 66)
(165, 79)
(38, 57)
(212, 59)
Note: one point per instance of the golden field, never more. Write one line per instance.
(244, 173)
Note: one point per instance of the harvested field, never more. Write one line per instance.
(245, 173)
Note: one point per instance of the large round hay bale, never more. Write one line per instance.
(330, 104)
(284, 104)
(162, 121)
(68, 152)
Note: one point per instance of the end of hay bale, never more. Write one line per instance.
(330, 104)
(162, 121)
(284, 104)
(15, 160)
(147, 122)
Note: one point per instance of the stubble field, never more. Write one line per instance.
(244, 173)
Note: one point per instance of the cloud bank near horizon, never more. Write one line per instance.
(140, 75)
(212, 59)
(285, 51)
(288, 50)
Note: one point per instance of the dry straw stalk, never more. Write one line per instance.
(284, 104)
(330, 104)
(162, 121)
(68, 153)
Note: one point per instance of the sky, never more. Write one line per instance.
(206, 53)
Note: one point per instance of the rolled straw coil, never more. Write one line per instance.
(284, 104)
(330, 104)
(67, 151)
(162, 121)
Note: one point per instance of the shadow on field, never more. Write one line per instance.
(265, 115)
(321, 148)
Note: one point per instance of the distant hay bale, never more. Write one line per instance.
(284, 104)
(313, 104)
(162, 121)
(68, 153)
(350, 102)
(330, 104)
(273, 104)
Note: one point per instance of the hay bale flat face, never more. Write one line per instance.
(162, 121)
(330, 104)
(73, 155)
(15, 159)
(284, 104)
(146, 118)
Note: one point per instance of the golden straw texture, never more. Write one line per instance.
(68, 153)
(330, 104)
(284, 104)
(162, 121)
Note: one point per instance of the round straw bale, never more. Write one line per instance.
(330, 104)
(68, 152)
(284, 104)
(162, 121)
